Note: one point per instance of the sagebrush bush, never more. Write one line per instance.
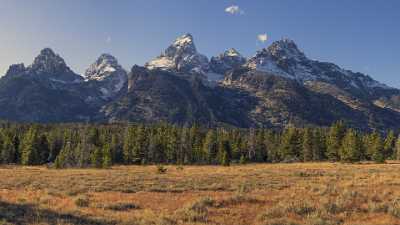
(82, 201)
(394, 208)
(196, 211)
(121, 207)
(161, 169)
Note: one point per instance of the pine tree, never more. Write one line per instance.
(66, 157)
(94, 137)
(334, 140)
(8, 151)
(290, 144)
(2, 158)
(185, 148)
(44, 149)
(30, 152)
(107, 156)
(377, 149)
(127, 149)
(242, 159)
(272, 141)
(196, 145)
(116, 150)
(210, 146)
(388, 145)
(397, 148)
(224, 152)
(16, 146)
(236, 145)
(139, 145)
(261, 152)
(225, 161)
(155, 148)
(307, 145)
(319, 145)
(55, 144)
(172, 145)
(251, 144)
(350, 150)
(97, 158)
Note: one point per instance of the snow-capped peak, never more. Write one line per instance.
(110, 76)
(181, 56)
(183, 40)
(104, 66)
(232, 52)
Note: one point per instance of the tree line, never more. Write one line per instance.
(101, 146)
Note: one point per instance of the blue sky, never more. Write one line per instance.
(361, 35)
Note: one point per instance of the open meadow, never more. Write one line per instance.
(304, 193)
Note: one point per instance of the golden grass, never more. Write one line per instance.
(308, 193)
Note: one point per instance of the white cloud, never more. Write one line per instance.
(262, 37)
(108, 40)
(234, 10)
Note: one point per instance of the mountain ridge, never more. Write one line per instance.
(276, 87)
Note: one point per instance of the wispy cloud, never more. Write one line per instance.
(262, 37)
(234, 10)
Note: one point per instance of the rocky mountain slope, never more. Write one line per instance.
(276, 87)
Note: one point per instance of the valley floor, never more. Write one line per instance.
(308, 193)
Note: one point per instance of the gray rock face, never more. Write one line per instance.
(15, 70)
(230, 59)
(50, 65)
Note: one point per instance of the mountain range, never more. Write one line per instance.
(277, 87)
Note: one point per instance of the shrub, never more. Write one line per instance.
(279, 222)
(197, 211)
(161, 169)
(377, 207)
(82, 201)
(237, 199)
(122, 207)
(331, 207)
(394, 208)
(242, 159)
(272, 213)
(301, 208)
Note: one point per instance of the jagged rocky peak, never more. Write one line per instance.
(16, 69)
(228, 60)
(285, 48)
(104, 66)
(181, 56)
(108, 74)
(284, 58)
(232, 53)
(182, 45)
(49, 62)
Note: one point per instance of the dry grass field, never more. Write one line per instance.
(280, 194)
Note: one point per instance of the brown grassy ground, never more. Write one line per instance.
(313, 193)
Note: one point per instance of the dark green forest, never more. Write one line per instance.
(101, 146)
